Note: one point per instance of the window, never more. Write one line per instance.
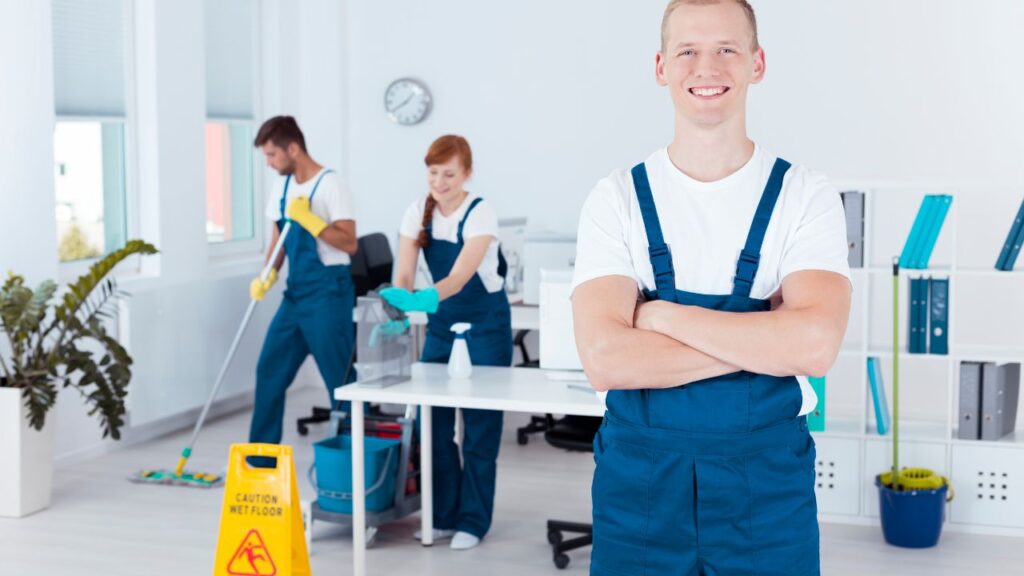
(90, 188)
(230, 29)
(229, 181)
(89, 69)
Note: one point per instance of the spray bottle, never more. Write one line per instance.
(459, 365)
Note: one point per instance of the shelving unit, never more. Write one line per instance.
(986, 323)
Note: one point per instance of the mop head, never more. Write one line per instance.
(915, 479)
(192, 479)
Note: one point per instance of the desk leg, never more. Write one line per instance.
(358, 491)
(427, 475)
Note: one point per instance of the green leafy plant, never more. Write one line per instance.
(54, 339)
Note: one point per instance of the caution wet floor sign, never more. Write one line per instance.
(260, 523)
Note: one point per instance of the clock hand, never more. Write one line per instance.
(403, 103)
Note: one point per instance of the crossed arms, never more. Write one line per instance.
(627, 344)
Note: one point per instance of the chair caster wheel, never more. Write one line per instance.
(561, 561)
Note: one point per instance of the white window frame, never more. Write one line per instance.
(70, 271)
(230, 253)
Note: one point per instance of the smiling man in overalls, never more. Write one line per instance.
(707, 278)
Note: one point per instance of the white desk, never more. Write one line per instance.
(490, 388)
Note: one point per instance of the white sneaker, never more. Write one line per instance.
(439, 534)
(464, 541)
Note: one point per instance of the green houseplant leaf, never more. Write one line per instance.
(61, 341)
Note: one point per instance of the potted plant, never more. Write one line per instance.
(56, 341)
(912, 501)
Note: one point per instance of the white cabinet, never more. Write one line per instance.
(989, 483)
(986, 313)
(837, 475)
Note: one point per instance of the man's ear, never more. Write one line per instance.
(760, 63)
(659, 69)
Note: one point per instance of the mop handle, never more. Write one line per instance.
(895, 371)
(187, 452)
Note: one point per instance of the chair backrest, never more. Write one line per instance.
(372, 263)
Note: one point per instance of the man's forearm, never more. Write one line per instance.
(341, 237)
(782, 342)
(629, 358)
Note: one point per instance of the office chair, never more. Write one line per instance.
(372, 265)
(576, 434)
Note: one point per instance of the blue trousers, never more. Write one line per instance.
(683, 504)
(464, 493)
(318, 326)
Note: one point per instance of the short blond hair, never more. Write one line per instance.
(673, 4)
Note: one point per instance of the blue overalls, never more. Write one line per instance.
(315, 318)
(464, 496)
(714, 477)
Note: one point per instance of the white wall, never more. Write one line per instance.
(26, 141)
(554, 95)
(551, 95)
(909, 91)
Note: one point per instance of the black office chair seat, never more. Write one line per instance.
(576, 434)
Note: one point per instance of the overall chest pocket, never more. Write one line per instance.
(717, 405)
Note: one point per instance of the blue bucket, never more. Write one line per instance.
(333, 464)
(911, 518)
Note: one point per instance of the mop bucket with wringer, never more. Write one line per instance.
(911, 501)
(913, 511)
(333, 478)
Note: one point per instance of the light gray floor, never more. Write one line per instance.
(101, 524)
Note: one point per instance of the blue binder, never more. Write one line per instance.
(938, 316)
(930, 210)
(882, 418)
(913, 239)
(940, 207)
(912, 316)
(917, 329)
(1013, 239)
(1011, 258)
(816, 419)
(922, 315)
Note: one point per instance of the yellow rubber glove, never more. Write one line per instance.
(298, 210)
(258, 288)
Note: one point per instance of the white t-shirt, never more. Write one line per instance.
(482, 221)
(332, 202)
(706, 225)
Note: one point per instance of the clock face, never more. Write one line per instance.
(407, 101)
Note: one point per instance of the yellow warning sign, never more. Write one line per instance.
(261, 530)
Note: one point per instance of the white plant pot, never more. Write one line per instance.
(26, 456)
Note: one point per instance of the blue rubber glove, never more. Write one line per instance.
(386, 329)
(419, 301)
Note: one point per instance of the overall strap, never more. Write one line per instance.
(317, 183)
(750, 256)
(284, 195)
(659, 252)
(466, 217)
